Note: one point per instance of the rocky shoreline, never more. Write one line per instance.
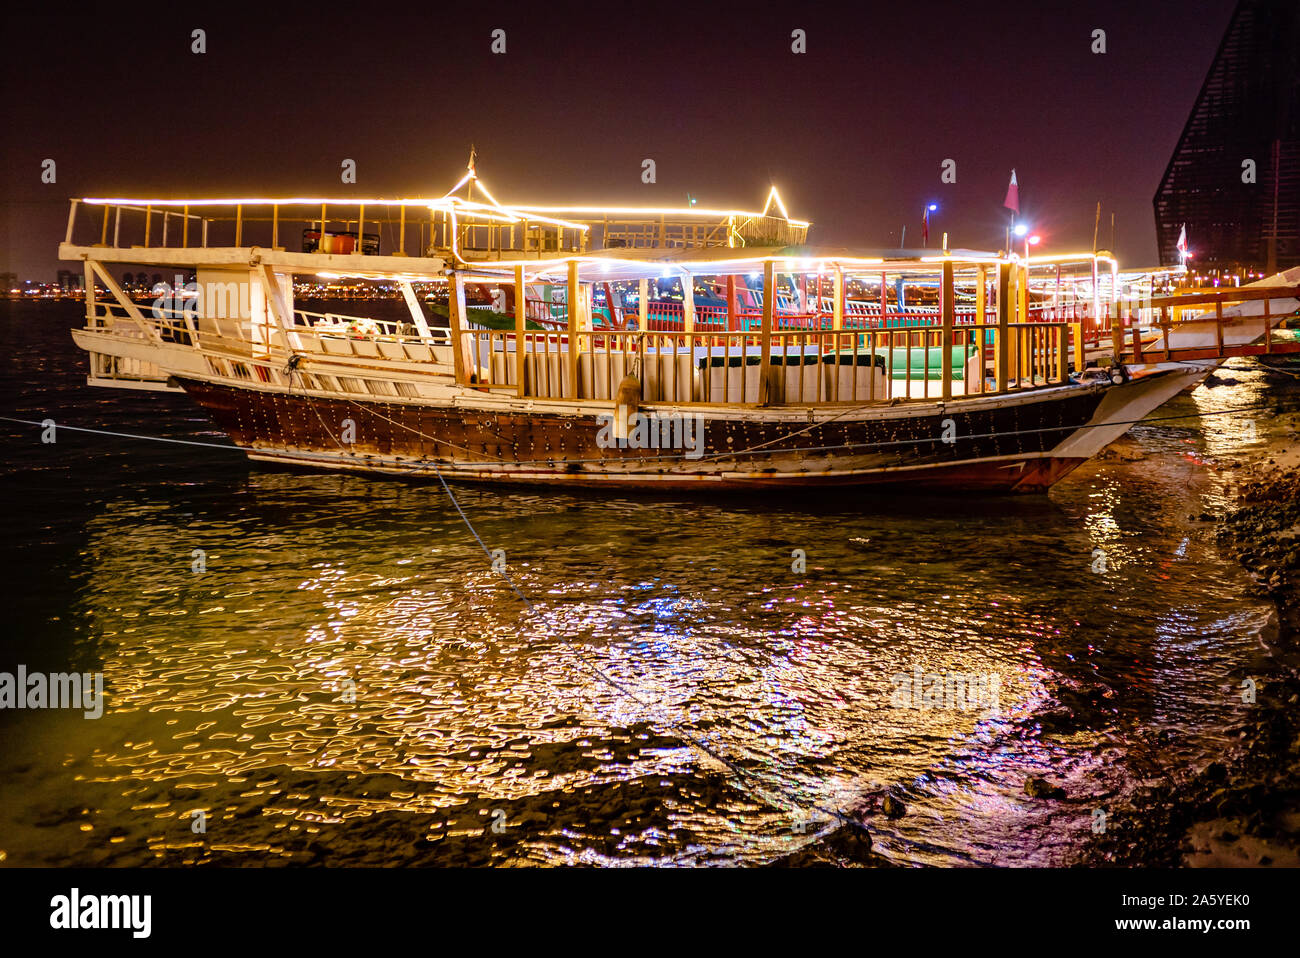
(1243, 810)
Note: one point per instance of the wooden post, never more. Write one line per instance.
(90, 294)
(837, 321)
(731, 303)
(1114, 283)
(612, 304)
(72, 219)
(981, 297)
(280, 310)
(1116, 334)
(1022, 293)
(946, 293)
(148, 222)
(574, 291)
(688, 303)
(320, 243)
(521, 327)
(117, 227)
(149, 329)
(103, 235)
(1076, 330)
(361, 220)
(455, 316)
(765, 331)
(1025, 333)
(275, 226)
(884, 298)
(185, 227)
(1096, 292)
(1013, 342)
(239, 224)
(401, 232)
(416, 311)
(1001, 353)
(642, 303)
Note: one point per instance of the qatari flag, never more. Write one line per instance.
(1012, 202)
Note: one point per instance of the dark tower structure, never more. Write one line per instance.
(1241, 215)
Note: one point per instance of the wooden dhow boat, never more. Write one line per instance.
(624, 347)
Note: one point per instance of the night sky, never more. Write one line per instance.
(853, 132)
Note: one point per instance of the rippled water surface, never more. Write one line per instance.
(350, 682)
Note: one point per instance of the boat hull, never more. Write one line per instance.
(1017, 443)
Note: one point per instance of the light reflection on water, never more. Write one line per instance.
(349, 681)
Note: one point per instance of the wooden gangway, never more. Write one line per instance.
(1217, 336)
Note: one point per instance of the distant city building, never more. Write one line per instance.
(1234, 178)
(8, 281)
(69, 280)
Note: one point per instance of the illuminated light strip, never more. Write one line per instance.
(263, 201)
(461, 182)
(697, 266)
(511, 215)
(484, 213)
(488, 193)
(693, 212)
(498, 211)
(391, 277)
(788, 264)
(774, 195)
(508, 215)
(442, 203)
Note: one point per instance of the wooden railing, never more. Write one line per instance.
(799, 366)
(308, 332)
(1255, 333)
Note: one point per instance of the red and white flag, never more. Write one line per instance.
(1182, 242)
(1012, 202)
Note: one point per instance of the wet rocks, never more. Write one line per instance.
(1263, 532)
(1039, 787)
(1239, 810)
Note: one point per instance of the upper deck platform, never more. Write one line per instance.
(420, 236)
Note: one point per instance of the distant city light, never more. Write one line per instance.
(1033, 240)
(1021, 229)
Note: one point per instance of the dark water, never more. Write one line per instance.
(228, 691)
